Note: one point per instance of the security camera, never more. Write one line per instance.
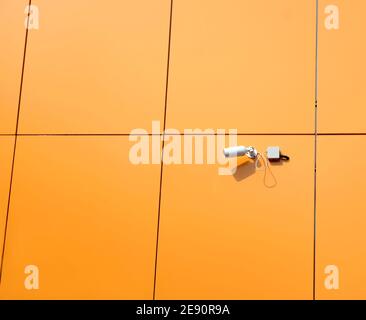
(239, 151)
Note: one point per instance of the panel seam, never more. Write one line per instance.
(180, 134)
(163, 145)
(15, 144)
(315, 141)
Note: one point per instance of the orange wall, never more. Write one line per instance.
(99, 227)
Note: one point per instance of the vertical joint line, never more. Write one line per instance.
(15, 145)
(163, 145)
(315, 139)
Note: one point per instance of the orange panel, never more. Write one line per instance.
(12, 38)
(85, 217)
(6, 156)
(231, 237)
(342, 68)
(243, 64)
(96, 67)
(341, 220)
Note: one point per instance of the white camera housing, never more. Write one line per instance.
(239, 151)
